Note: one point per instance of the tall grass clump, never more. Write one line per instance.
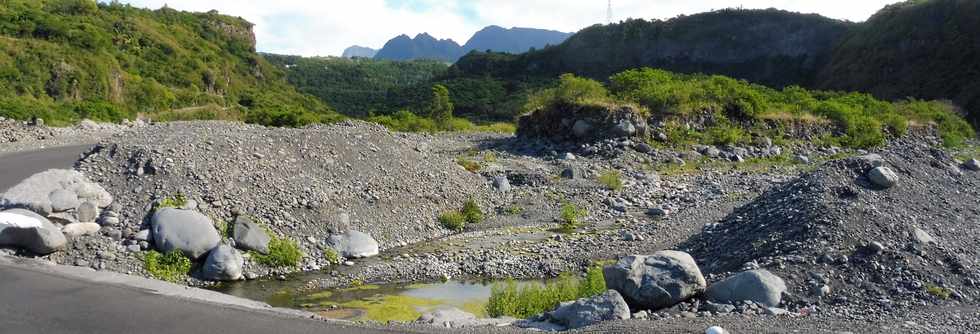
(282, 253)
(524, 301)
(171, 267)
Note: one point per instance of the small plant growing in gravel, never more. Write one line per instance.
(331, 256)
(453, 220)
(570, 216)
(470, 165)
(171, 267)
(176, 201)
(490, 157)
(939, 292)
(282, 253)
(472, 212)
(223, 227)
(513, 210)
(611, 179)
(509, 299)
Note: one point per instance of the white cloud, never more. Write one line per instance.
(326, 27)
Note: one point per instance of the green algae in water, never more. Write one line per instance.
(404, 302)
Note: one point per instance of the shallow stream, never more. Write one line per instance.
(382, 303)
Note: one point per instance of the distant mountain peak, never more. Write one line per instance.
(493, 37)
(359, 52)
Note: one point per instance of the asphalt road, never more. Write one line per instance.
(18, 166)
(37, 301)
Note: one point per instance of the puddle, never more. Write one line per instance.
(382, 303)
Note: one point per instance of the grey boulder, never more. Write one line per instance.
(187, 231)
(589, 311)
(656, 281)
(354, 244)
(63, 200)
(28, 230)
(883, 177)
(224, 263)
(250, 236)
(760, 286)
(501, 183)
(455, 318)
(88, 212)
(35, 192)
(973, 165)
(75, 230)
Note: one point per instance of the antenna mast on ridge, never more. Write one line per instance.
(609, 13)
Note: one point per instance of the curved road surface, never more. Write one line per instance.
(18, 166)
(51, 299)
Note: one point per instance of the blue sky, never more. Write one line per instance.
(326, 27)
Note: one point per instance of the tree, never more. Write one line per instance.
(441, 108)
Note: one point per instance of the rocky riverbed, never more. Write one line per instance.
(852, 236)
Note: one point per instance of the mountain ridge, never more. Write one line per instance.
(493, 38)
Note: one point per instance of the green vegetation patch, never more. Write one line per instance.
(171, 267)
(571, 216)
(283, 252)
(509, 299)
(611, 179)
(453, 220)
(177, 201)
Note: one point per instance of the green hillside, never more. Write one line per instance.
(921, 48)
(360, 87)
(69, 59)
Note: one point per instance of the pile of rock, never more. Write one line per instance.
(648, 283)
(565, 122)
(51, 205)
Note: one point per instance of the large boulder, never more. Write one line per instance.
(589, 311)
(187, 231)
(50, 191)
(354, 244)
(656, 281)
(250, 236)
(760, 286)
(224, 263)
(63, 200)
(28, 230)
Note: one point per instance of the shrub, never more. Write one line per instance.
(406, 121)
(470, 165)
(611, 179)
(570, 216)
(453, 220)
(171, 267)
(571, 90)
(507, 299)
(440, 107)
(472, 212)
(331, 256)
(282, 253)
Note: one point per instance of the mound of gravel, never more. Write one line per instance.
(838, 238)
(297, 182)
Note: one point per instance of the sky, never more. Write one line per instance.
(327, 27)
